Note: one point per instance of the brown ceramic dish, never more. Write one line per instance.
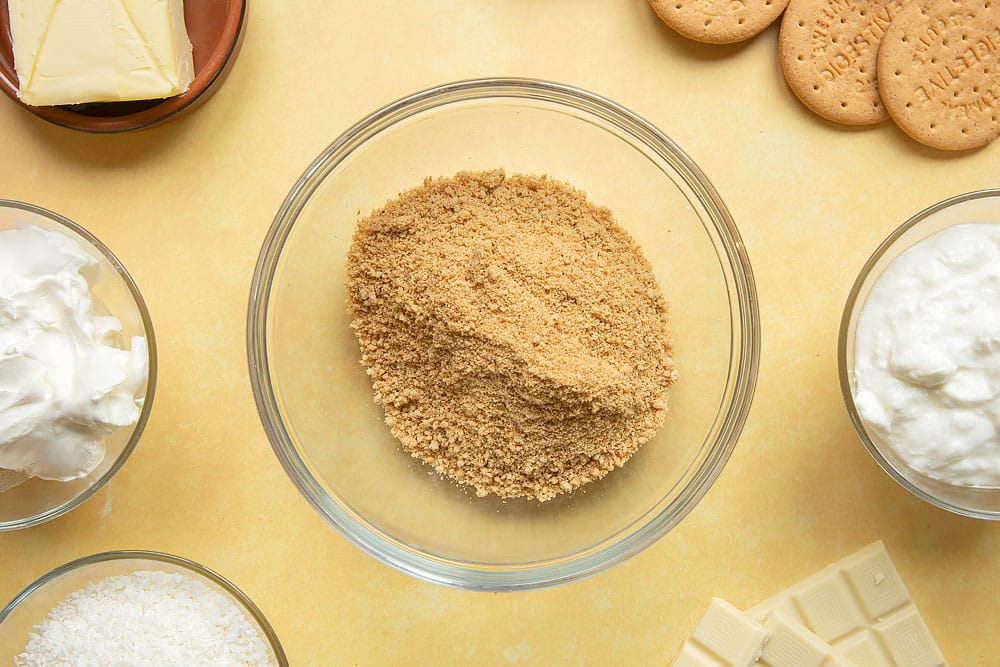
(215, 28)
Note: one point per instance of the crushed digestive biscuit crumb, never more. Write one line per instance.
(513, 332)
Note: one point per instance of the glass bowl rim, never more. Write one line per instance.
(843, 343)
(147, 325)
(741, 375)
(158, 556)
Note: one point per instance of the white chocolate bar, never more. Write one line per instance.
(724, 637)
(860, 607)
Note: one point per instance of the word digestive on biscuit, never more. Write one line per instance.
(866, 39)
(982, 51)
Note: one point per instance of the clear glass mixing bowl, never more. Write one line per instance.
(315, 399)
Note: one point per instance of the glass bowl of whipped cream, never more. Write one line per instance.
(77, 365)
(919, 354)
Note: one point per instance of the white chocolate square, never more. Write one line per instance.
(877, 584)
(865, 649)
(909, 641)
(793, 645)
(830, 608)
(724, 637)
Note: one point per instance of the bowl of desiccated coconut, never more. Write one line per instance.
(135, 608)
(503, 334)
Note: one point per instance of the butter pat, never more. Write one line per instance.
(74, 51)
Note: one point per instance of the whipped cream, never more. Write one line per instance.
(65, 381)
(927, 356)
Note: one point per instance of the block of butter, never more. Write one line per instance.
(74, 51)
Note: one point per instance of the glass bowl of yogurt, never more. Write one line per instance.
(77, 365)
(919, 354)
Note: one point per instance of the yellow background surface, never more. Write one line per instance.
(186, 207)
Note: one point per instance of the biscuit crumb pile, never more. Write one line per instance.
(513, 332)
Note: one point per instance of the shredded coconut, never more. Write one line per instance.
(146, 618)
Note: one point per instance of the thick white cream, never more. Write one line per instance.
(65, 383)
(927, 356)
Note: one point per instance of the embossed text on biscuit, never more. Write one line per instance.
(863, 41)
(981, 51)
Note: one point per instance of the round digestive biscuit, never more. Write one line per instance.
(718, 21)
(939, 72)
(828, 51)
